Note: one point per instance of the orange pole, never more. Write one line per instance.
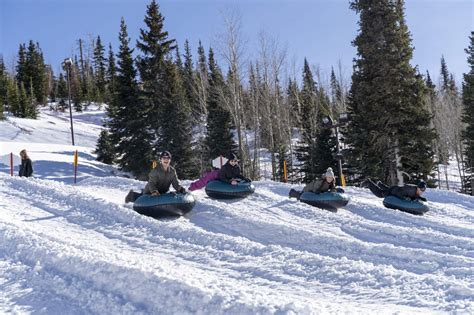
(285, 174)
(75, 166)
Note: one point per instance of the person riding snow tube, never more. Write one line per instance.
(169, 204)
(405, 198)
(328, 200)
(221, 190)
(406, 205)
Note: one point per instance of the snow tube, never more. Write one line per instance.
(410, 206)
(220, 190)
(170, 204)
(329, 200)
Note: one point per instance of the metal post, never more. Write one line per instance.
(67, 65)
(339, 157)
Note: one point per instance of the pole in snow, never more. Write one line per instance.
(67, 65)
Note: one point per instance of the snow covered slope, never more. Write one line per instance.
(75, 249)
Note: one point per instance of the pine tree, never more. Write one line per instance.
(293, 97)
(129, 135)
(76, 88)
(105, 149)
(23, 101)
(111, 74)
(155, 47)
(62, 93)
(432, 101)
(99, 69)
(202, 81)
(389, 128)
(468, 118)
(13, 98)
(176, 129)
(31, 111)
(3, 86)
(190, 86)
(21, 65)
(313, 107)
(34, 71)
(219, 139)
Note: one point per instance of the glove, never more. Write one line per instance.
(181, 190)
(247, 179)
(155, 193)
(339, 190)
(422, 198)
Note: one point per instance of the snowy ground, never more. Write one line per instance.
(78, 249)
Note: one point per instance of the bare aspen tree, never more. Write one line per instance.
(232, 50)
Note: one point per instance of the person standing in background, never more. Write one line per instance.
(26, 167)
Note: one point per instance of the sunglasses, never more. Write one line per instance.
(234, 161)
(166, 158)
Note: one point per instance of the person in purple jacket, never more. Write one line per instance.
(229, 173)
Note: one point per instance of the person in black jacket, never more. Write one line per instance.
(408, 191)
(26, 167)
(230, 172)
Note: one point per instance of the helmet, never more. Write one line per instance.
(422, 185)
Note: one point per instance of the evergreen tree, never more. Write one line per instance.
(190, 87)
(54, 88)
(62, 93)
(155, 47)
(3, 86)
(30, 111)
(219, 139)
(314, 107)
(293, 97)
(105, 149)
(13, 98)
(99, 69)
(21, 65)
(468, 117)
(389, 130)
(23, 101)
(129, 135)
(444, 74)
(202, 81)
(176, 129)
(76, 89)
(111, 74)
(34, 71)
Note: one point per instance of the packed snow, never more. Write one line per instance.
(70, 248)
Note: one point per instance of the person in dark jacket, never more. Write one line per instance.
(317, 186)
(26, 167)
(408, 191)
(159, 180)
(230, 171)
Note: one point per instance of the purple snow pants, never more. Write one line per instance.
(205, 178)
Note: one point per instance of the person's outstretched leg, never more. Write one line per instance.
(375, 189)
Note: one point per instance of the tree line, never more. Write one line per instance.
(159, 98)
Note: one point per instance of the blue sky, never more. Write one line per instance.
(320, 30)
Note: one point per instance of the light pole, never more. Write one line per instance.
(328, 122)
(67, 65)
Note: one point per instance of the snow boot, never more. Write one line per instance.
(132, 196)
(294, 194)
